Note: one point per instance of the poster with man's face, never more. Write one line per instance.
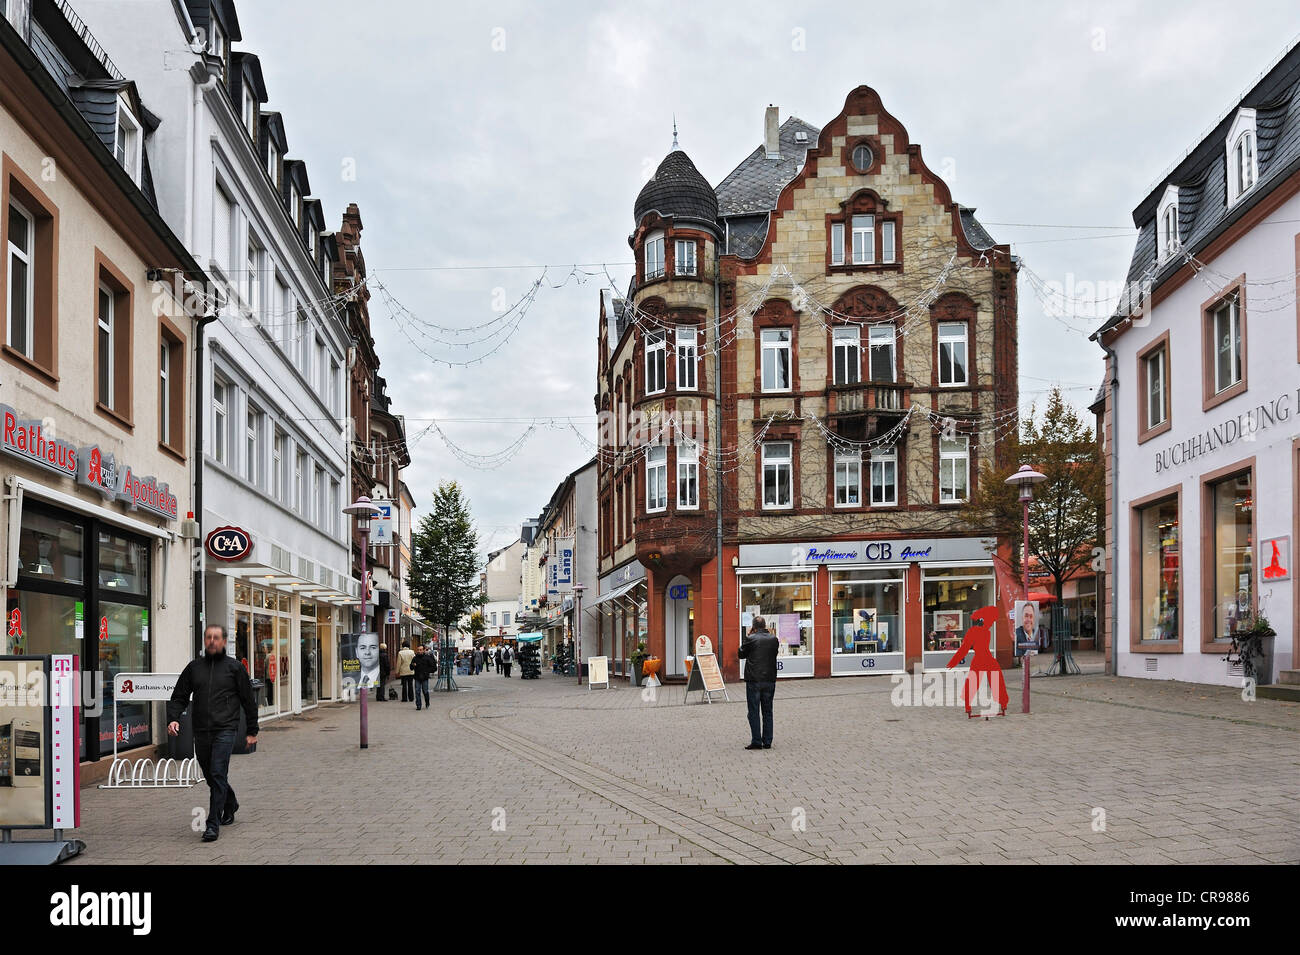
(1026, 627)
(359, 660)
(24, 775)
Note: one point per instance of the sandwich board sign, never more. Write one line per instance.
(705, 673)
(597, 671)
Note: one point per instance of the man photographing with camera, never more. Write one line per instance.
(220, 687)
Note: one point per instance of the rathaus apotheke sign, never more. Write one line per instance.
(1243, 427)
(88, 466)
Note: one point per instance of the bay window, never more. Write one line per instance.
(654, 256)
(656, 376)
(687, 357)
(688, 475)
(656, 478)
(684, 257)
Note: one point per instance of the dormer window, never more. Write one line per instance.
(250, 111)
(273, 158)
(295, 207)
(1244, 161)
(217, 44)
(126, 146)
(1167, 241)
(654, 256)
(1242, 158)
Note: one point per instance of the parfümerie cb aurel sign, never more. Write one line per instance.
(894, 551)
(88, 465)
(1242, 427)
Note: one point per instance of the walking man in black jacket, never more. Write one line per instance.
(758, 650)
(220, 687)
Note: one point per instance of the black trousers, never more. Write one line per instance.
(759, 698)
(213, 752)
(408, 691)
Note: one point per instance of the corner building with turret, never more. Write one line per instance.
(815, 357)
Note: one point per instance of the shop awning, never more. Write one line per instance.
(614, 594)
(265, 575)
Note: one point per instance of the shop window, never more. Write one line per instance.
(171, 389)
(1231, 573)
(884, 478)
(688, 475)
(954, 470)
(1224, 347)
(881, 343)
(51, 548)
(778, 475)
(113, 314)
(655, 362)
(776, 359)
(687, 357)
(785, 602)
(656, 478)
(1158, 574)
(30, 231)
(952, 354)
(867, 612)
(847, 346)
(949, 596)
(848, 479)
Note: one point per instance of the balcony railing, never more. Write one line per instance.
(868, 397)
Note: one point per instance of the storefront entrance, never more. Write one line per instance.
(84, 588)
(679, 625)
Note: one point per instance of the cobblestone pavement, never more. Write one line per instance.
(1182, 773)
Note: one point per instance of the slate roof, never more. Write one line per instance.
(678, 190)
(1201, 176)
(976, 234)
(754, 185)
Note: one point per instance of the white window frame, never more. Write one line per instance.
(272, 161)
(656, 478)
(336, 387)
(864, 239)
(301, 472)
(295, 203)
(653, 255)
(128, 148)
(302, 333)
(336, 507)
(847, 339)
(1244, 160)
(688, 476)
(882, 336)
(1232, 307)
(249, 110)
(252, 285)
(221, 394)
(318, 497)
(105, 328)
(164, 392)
(888, 242)
(848, 478)
(837, 243)
(1156, 369)
(28, 258)
(656, 361)
(223, 227)
(684, 257)
(279, 466)
(779, 463)
(688, 361)
(954, 459)
(886, 459)
(1242, 155)
(952, 340)
(253, 428)
(770, 341)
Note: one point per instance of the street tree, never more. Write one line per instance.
(443, 575)
(1063, 515)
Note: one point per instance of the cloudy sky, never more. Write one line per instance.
(492, 139)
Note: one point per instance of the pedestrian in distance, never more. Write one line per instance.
(422, 666)
(758, 650)
(404, 672)
(220, 688)
(505, 661)
(385, 668)
(496, 659)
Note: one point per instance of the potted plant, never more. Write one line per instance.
(637, 658)
(1252, 647)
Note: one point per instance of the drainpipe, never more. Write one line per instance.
(1113, 663)
(717, 436)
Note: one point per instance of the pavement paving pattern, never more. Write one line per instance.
(1103, 770)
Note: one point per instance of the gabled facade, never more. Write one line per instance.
(1203, 364)
(818, 353)
(275, 451)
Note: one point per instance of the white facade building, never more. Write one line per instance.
(1203, 417)
(276, 428)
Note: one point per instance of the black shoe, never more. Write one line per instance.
(228, 817)
(211, 833)
(767, 745)
(754, 746)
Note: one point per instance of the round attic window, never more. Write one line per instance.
(862, 157)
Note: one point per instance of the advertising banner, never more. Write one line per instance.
(25, 790)
(359, 660)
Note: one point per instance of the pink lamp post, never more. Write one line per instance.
(1025, 479)
(364, 512)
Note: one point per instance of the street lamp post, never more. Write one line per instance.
(577, 629)
(364, 511)
(1025, 479)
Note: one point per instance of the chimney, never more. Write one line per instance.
(771, 133)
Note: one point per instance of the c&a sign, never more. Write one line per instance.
(229, 544)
